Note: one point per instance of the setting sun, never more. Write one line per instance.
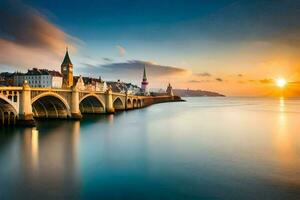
(281, 82)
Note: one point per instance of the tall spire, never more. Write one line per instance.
(144, 75)
(67, 59)
(144, 86)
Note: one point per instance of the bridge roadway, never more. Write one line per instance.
(20, 105)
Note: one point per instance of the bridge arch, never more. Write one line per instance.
(139, 103)
(91, 103)
(8, 112)
(134, 103)
(50, 105)
(129, 103)
(8, 101)
(118, 104)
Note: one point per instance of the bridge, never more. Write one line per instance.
(20, 105)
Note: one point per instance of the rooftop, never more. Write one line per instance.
(36, 71)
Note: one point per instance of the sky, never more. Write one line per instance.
(236, 48)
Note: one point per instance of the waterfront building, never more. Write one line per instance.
(169, 90)
(39, 78)
(132, 89)
(121, 87)
(90, 84)
(18, 79)
(144, 84)
(67, 71)
(6, 79)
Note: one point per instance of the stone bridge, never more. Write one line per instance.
(20, 105)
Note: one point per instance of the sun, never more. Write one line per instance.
(281, 82)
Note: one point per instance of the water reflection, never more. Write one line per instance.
(49, 160)
(75, 135)
(281, 117)
(286, 151)
(35, 147)
(203, 149)
(30, 149)
(110, 118)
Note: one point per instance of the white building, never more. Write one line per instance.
(121, 87)
(90, 84)
(39, 78)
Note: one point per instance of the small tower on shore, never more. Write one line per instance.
(67, 71)
(144, 85)
(169, 90)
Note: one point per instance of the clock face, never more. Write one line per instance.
(65, 69)
(71, 69)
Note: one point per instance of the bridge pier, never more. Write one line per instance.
(109, 101)
(75, 110)
(25, 108)
(126, 99)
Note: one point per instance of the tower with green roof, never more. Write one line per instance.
(67, 71)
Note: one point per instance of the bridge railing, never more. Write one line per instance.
(8, 88)
(50, 89)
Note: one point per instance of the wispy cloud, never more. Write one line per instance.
(203, 74)
(25, 33)
(199, 81)
(266, 81)
(219, 79)
(133, 70)
(294, 82)
(107, 60)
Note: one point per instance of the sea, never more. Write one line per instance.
(203, 148)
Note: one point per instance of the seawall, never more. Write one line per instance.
(160, 99)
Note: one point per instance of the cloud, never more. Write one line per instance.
(294, 82)
(108, 60)
(240, 75)
(133, 70)
(25, 33)
(199, 81)
(219, 79)
(266, 81)
(203, 74)
(121, 50)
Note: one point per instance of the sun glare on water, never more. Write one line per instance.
(281, 82)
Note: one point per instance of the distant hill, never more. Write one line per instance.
(196, 93)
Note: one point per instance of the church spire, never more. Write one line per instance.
(144, 86)
(144, 75)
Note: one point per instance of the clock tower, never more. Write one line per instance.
(67, 71)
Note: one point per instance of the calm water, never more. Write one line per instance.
(205, 148)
